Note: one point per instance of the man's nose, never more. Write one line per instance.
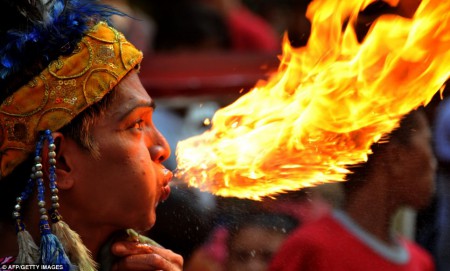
(161, 150)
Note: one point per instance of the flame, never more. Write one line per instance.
(326, 104)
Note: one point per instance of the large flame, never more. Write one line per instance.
(325, 106)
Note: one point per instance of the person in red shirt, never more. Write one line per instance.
(358, 237)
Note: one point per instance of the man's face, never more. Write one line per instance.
(124, 186)
(416, 178)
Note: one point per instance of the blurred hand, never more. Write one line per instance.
(134, 256)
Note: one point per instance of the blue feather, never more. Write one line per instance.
(6, 62)
(52, 251)
(48, 38)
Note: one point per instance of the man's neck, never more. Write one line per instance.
(372, 212)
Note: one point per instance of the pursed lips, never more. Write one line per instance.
(165, 189)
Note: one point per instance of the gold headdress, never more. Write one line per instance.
(64, 89)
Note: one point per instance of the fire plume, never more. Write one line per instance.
(326, 104)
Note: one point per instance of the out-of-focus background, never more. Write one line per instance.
(201, 55)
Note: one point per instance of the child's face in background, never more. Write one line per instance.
(252, 248)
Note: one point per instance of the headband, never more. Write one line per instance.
(64, 89)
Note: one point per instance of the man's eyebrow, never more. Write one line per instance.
(150, 104)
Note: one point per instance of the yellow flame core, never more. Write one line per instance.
(326, 104)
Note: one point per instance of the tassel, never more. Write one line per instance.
(70, 240)
(28, 250)
(73, 245)
(52, 251)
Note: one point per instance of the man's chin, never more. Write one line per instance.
(145, 226)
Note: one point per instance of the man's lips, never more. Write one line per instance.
(165, 190)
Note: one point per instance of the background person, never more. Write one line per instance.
(358, 236)
(255, 238)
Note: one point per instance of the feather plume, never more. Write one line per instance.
(42, 30)
(74, 247)
(28, 250)
(52, 251)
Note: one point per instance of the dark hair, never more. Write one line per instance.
(401, 135)
(276, 222)
(12, 186)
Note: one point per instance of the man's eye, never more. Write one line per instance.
(138, 124)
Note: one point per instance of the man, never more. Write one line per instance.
(399, 173)
(75, 115)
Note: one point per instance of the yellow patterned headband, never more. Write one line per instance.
(65, 88)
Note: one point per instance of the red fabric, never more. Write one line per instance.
(326, 245)
(251, 32)
(5, 262)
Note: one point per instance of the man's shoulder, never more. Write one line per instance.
(418, 254)
(322, 229)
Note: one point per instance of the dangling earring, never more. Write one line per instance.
(52, 251)
(28, 250)
(73, 245)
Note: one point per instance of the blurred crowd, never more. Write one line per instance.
(211, 25)
(395, 218)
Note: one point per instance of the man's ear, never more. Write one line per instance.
(64, 161)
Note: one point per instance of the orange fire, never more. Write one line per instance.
(326, 104)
